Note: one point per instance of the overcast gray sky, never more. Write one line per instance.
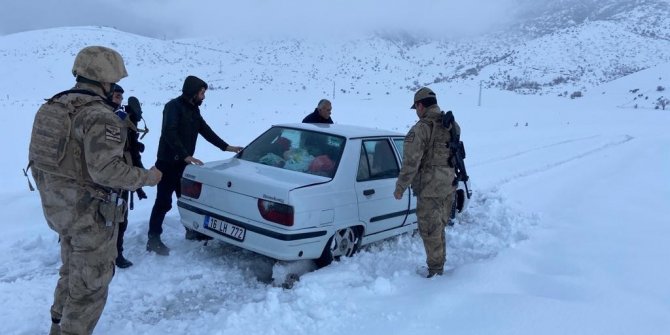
(197, 18)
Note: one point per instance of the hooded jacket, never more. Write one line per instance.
(182, 123)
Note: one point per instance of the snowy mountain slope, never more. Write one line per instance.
(574, 45)
(591, 43)
(581, 57)
(538, 18)
(647, 89)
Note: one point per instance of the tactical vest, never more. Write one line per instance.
(435, 176)
(437, 153)
(52, 146)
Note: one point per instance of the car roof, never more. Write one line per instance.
(345, 130)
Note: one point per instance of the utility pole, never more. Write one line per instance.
(479, 102)
(333, 89)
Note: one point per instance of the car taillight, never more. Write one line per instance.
(191, 188)
(276, 212)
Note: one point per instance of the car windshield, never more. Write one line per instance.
(297, 150)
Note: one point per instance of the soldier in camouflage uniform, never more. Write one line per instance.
(425, 165)
(77, 163)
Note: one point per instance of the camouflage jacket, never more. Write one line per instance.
(425, 163)
(96, 146)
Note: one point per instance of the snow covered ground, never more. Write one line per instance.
(567, 233)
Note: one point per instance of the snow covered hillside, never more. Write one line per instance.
(557, 47)
(567, 233)
(573, 44)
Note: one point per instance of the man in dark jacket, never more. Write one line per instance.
(321, 113)
(182, 123)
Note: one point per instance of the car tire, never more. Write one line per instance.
(345, 242)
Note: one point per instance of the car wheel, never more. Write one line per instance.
(344, 242)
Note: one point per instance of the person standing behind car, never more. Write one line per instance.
(132, 155)
(425, 165)
(182, 123)
(321, 113)
(79, 184)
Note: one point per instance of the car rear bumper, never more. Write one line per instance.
(275, 243)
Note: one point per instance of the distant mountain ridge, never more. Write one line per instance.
(545, 17)
(557, 48)
(574, 44)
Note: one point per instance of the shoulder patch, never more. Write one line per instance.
(112, 133)
(410, 137)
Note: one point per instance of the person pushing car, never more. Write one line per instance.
(182, 123)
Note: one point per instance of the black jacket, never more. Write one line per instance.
(182, 123)
(314, 117)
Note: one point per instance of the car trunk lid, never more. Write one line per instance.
(234, 185)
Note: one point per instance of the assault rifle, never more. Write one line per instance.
(457, 153)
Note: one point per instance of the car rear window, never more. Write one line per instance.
(297, 150)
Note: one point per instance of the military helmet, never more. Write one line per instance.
(100, 64)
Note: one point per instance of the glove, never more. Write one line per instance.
(140, 147)
(140, 194)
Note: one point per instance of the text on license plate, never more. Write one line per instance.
(225, 228)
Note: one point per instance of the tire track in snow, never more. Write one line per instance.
(519, 153)
(552, 165)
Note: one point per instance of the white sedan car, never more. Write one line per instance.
(304, 191)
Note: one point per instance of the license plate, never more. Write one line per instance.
(225, 228)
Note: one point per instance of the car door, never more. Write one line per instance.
(398, 143)
(378, 169)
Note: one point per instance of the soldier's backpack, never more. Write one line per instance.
(49, 141)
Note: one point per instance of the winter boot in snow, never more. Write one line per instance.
(55, 327)
(433, 273)
(122, 262)
(156, 245)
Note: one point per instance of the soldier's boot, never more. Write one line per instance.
(156, 245)
(55, 327)
(193, 235)
(433, 273)
(122, 262)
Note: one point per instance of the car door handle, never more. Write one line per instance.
(369, 192)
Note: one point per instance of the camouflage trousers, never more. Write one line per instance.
(88, 250)
(433, 216)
